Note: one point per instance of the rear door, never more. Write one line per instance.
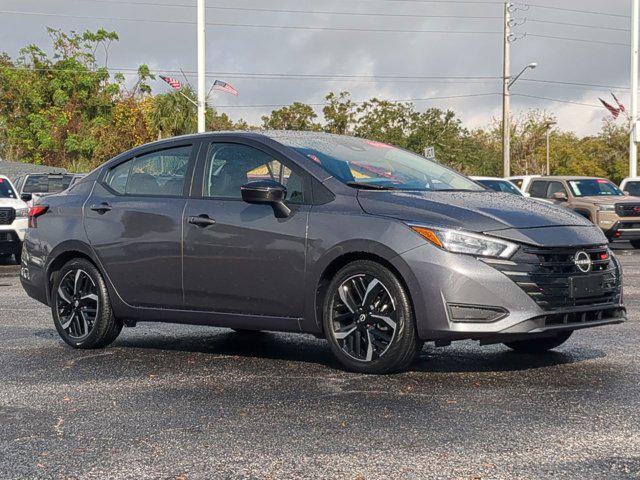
(134, 222)
(248, 261)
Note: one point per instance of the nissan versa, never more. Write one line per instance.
(372, 247)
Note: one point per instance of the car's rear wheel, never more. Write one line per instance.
(81, 308)
(635, 243)
(368, 319)
(539, 345)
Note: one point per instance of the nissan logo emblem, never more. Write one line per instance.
(582, 261)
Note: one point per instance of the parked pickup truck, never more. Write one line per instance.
(598, 199)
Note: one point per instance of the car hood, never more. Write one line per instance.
(12, 202)
(609, 199)
(481, 211)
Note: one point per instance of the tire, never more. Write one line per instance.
(361, 336)
(635, 243)
(81, 307)
(539, 345)
(18, 256)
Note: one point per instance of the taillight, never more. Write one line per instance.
(35, 212)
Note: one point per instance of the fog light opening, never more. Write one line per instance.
(475, 313)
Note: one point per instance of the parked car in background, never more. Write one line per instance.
(33, 186)
(631, 186)
(372, 247)
(523, 181)
(13, 220)
(499, 185)
(598, 199)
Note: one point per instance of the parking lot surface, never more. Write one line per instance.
(185, 402)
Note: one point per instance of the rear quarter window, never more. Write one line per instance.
(538, 189)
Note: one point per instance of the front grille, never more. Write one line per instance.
(7, 216)
(628, 209)
(580, 318)
(544, 274)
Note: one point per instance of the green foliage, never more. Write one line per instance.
(298, 116)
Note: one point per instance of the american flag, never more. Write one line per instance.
(172, 82)
(613, 110)
(224, 86)
(620, 105)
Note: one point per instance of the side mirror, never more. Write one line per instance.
(626, 192)
(267, 192)
(559, 196)
(26, 197)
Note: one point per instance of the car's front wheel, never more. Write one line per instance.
(81, 308)
(539, 345)
(368, 319)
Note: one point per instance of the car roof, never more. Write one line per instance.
(490, 178)
(568, 177)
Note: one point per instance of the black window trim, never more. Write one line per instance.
(532, 184)
(197, 192)
(188, 176)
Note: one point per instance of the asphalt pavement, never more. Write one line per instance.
(176, 402)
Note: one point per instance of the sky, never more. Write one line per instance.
(390, 49)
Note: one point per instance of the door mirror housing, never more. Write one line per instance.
(267, 192)
(560, 196)
(26, 197)
(626, 192)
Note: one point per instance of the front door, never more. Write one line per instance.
(248, 261)
(133, 220)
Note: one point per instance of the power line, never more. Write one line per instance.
(572, 10)
(582, 25)
(573, 39)
(556, 100)
(309, 12)
(575, 84)
(319, 104)
(251, 25)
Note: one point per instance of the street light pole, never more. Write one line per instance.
(202, 105)
(549, 126)
(633, 147)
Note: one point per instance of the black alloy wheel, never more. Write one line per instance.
(81, 308)
(369, 321)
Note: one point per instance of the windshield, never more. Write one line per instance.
(633, 188)
(594, 187)
(367, 164)
(501, 186)
(5, 189)
(46, 183)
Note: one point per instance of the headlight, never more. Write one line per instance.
(607, 208)
(22, 212)
(457, 241)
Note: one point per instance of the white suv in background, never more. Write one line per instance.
(14, 215)
(631, 186)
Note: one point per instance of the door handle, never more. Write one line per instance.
(202, 220)
(102, 208)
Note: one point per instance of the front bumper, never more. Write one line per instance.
(443, 279)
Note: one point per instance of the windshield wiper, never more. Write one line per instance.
(369, 186)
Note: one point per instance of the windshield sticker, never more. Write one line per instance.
(379, 144)
(576, 190)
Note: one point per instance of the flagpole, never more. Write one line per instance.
(633, 147)
(202, 105)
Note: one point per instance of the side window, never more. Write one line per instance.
(230, 166)
(538, 189)
(159, 173)
(555, 187)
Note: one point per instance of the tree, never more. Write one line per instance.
(340, 114)
(297, 116)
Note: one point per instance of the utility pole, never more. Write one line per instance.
(202, 101)
(506, 96)
(633, 147)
